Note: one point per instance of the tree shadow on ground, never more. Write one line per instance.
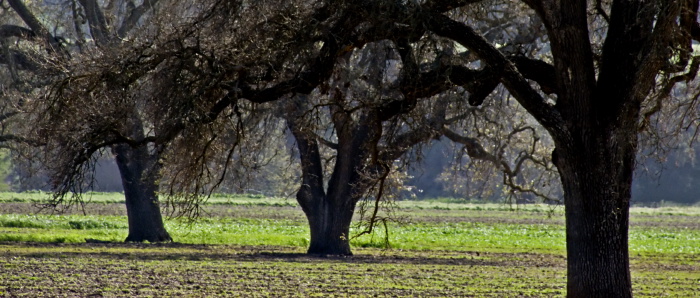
(199, 252)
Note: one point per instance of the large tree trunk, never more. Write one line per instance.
(329, 209)
(597, 139)
(139, 173)
(330, 227)
(329, 213)
(597, 179)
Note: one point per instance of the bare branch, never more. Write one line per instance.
(474, 148)
(538, 71)
(19, 60)
(16, 31)
(601, 11)
(476, 151)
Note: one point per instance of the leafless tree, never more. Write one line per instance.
(80, 131)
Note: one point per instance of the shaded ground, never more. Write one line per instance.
(32, 269)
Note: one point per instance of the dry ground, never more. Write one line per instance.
(127, 270)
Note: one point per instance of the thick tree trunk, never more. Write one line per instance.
(329, 211)
(596, 225)
(140, 181)
(330, 228)
(597, 183)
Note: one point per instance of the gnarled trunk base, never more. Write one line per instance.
(330, 230)
(140, 182)
(145, 220)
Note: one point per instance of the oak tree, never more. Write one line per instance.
(72, 136)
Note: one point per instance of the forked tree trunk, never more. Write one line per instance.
(329, 208)
(597, 183)
(140, 181)
(329, 212)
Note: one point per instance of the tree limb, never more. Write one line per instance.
(19, 139)
(601, 11)
(511, 78)
(134, 16)
(476, 151)
(538, 71)
(35, 25)
(309, 154)
(474, 148)
(19, 60)
(97, 21)
(16, 31)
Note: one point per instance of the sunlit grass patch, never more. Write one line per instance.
(449, 236)
(240, 232)
(471, 236)
(665, 240)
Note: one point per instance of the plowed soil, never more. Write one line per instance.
(128, 270)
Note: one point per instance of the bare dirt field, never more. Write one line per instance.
(127, 270)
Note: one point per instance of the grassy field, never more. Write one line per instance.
(250, 246)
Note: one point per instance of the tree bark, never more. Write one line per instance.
(597, 143)
(139, 173)
(597, 218)
(329, 208)
(329, 222)
(596, 168)
(329, 214)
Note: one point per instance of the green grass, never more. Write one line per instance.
(459, 236)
